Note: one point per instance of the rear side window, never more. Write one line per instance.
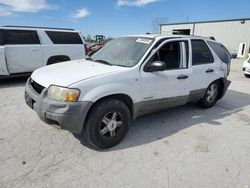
(201, 53)
(58, 37)
(221, 51)
(21, 37)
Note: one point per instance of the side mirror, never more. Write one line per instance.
(157, 66)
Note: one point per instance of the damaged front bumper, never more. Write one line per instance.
(65, 115)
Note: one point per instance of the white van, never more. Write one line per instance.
(128, 77)
(24, 49)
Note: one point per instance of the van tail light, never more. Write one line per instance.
(86, 49)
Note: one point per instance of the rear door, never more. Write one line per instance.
(65, 43)
(203, 66)
(23, 50)
(3, 68)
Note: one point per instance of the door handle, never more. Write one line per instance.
(35, 50)
(182, 77)
(209, 70)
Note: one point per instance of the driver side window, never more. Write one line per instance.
(170, 54)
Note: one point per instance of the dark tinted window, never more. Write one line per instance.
(201, 53)
(1, 39)
(20, 37)
(221, 52)
(58, 37)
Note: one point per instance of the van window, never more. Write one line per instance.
(1, 37)
(21, 37)
(58, 37)
(201, 53)
(221, 51)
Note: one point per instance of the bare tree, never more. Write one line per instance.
(156, 23)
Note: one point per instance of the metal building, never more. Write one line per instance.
(234, 34)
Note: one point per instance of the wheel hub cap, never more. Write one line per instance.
(212, 93)
(112, 125)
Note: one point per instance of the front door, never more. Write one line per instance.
(170, 87)
(22, 50)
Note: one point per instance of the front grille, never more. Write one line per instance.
(37, 87)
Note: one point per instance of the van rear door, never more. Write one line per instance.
(3, 68)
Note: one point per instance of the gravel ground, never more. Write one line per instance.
(182, 147)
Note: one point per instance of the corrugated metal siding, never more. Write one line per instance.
(230, 33)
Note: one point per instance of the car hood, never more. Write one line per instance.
(67, 73)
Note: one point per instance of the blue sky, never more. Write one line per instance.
(116, 17)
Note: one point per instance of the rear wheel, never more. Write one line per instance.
(107, 123)
(211, 95)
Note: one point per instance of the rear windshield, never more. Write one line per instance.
(58, 37)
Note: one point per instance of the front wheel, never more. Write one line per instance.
(107, 123)
(211, 95)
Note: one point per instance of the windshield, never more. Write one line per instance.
(126, 51)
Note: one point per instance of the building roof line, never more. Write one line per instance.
(211, 21)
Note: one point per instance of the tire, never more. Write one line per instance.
(107, 123)
(211, 95)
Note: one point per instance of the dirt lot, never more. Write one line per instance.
(182, 147)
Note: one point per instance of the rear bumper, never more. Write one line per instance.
(65, 115)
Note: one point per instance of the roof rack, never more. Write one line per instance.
(38, 27)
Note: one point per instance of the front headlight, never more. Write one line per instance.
(63, 94)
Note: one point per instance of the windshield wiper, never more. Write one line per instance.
(103, 61)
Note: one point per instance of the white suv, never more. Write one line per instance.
(24, 49)
(128, 77)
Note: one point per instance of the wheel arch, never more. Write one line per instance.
(120, 96)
